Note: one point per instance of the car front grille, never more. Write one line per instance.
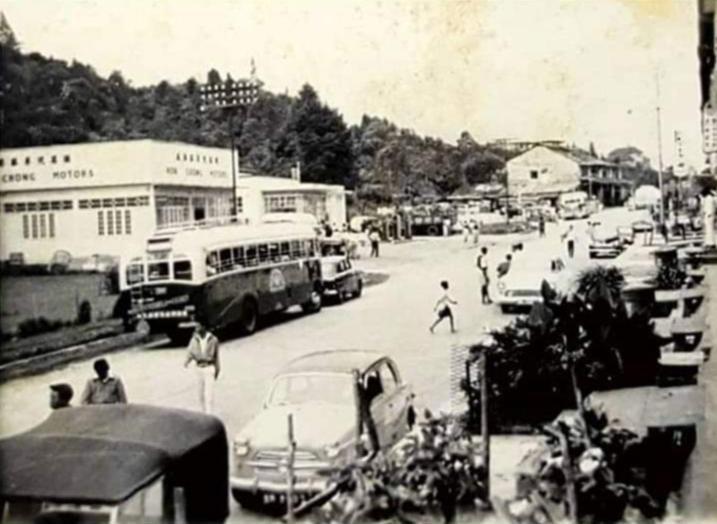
(281, 455)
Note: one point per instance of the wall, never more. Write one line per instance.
(555, 172)
(76, 230)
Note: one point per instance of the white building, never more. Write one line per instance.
(548, 171)
(107, 197)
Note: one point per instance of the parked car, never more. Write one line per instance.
(519, 290)
(340, 279)
(604, 242)
(325, 392)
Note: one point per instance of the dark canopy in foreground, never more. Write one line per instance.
(105, 454)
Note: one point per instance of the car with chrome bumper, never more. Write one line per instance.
(341, 280)
(326, 393)
(519, 290)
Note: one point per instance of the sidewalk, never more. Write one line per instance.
(700, 503)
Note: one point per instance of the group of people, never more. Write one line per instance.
(202, 353)
(443, 305)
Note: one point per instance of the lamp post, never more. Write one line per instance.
(230, 95)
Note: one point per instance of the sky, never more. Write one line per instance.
(580, 70)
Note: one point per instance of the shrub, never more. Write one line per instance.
(84, 312)
(36, 326)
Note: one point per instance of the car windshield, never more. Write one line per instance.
(329, 269)
(311, 388)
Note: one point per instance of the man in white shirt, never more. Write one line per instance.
(203, 350)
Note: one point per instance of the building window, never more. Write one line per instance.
(191, 158)
(184, 156)
(51, 224)
(25, 226)
(534, 174)
(66, 204)
(27, 160)
(9, 208)
(43, 226)
(128, 221)
(100, 223)
(83, 204)
(44, 206)
(240, 205)
(2, 162)
(41, 160)
(33, 219)
(32, 206)
(67, 158)
(110, 223)
(118, 221)
(53, 159)
(13, 161)
(106, 202)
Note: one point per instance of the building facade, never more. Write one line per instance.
(106, 198)
(545, 172)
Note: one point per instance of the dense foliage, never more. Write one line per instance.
(587, 473)
(49, 101)
(566, 348)
(436, 469)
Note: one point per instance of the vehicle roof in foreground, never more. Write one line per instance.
(100, 454)
(333, 361)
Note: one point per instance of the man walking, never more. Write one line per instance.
(482, 264)
(443, 308)
(569, 239)
(203, 350)
(374, 238)
(104, 389)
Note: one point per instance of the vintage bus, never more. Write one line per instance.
(230, 275)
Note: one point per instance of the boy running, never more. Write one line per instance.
(443, 308)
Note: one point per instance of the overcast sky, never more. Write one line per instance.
(582, 70)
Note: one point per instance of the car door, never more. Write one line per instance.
(378, 404)
(396, 401)
(351, 278)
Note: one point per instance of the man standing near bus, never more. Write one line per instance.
(203, 350)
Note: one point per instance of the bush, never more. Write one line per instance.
(84, 312)
(36, 326)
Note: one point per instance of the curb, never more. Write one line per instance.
(42, 363)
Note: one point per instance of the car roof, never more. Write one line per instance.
(101, 454)
(333, 361)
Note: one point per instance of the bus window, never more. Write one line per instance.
(308, 248)
(212, 263)
(183, 270)
(295, 249)
(251, 256)
(225, 260)
(263, 253)
(238, 256)
(285, 251)
(274, 252)
(135, 274)
(158, 271)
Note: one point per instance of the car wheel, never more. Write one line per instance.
(359, 289)
(505, 308)
(249, 316)
(179, 337)
(313, 305)
(246, 499)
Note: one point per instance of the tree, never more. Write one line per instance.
(213, 77)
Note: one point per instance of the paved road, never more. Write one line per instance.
(392, 317)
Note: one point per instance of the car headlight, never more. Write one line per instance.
(332, 451)
(241, 447)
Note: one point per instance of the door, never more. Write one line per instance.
(396, 401)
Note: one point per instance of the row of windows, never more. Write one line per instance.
(96, 203)
(46, 205)
(38, 225)
(52, 159)
(239, 257)
(276, 203)
(205, 159)
(114, 222)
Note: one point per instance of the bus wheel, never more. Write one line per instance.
(312, 305)
(179, 337)
(249, 316)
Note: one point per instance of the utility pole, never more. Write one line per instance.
(230, 95)
(485, 433)
(659, 150)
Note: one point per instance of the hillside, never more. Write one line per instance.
(49, 101)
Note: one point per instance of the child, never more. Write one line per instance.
(443, 308)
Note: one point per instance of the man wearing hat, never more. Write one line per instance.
(203, 350)
(60, 396)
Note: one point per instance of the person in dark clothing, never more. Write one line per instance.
(60, 396)
(482, 264)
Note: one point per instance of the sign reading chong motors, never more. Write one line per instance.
(71, 174)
